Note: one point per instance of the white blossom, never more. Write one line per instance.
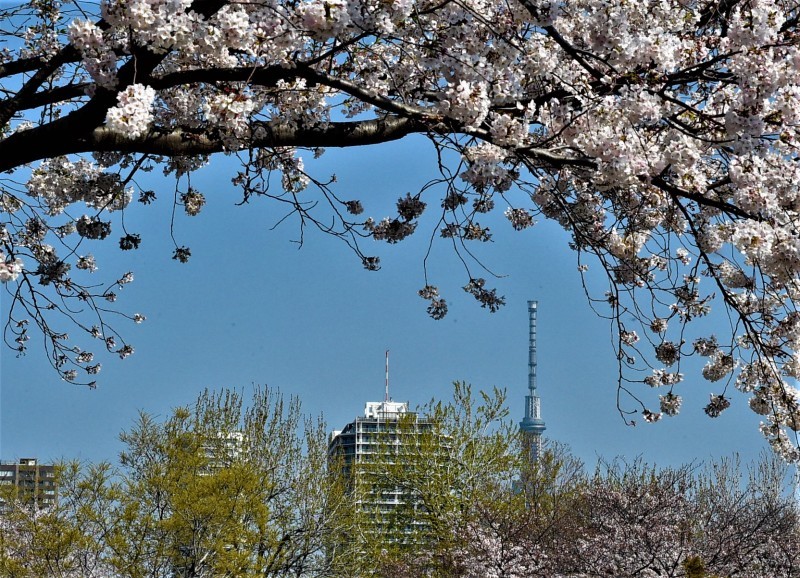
(133, 113)
(663, 136)
(9, 269)
(670, 403)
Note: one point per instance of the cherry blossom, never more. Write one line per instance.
(662, 135)
(133, 113)
(491, 554)
(9, 270)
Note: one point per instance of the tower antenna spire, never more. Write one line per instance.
(532, 425)
(532, 307)
(386, 395)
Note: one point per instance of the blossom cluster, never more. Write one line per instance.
(134, 111)
(491, 555)
(10, 269)
(60, 182)
(662, 135)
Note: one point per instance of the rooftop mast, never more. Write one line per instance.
(386, 396)
(532, 424)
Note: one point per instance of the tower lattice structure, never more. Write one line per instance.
(532, 425)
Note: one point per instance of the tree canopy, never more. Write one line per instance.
(245, 486)
(228, 487)
(662, 135)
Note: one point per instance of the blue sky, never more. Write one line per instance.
(252, 308)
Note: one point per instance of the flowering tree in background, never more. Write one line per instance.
(638, 520)
(662, 135)
(231, 487)
(627, 520)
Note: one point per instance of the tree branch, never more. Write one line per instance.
(50, 141)
(727, 208)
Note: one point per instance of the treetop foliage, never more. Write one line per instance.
(189, 498)
(662, 135)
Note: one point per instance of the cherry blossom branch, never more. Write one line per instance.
(677, 192)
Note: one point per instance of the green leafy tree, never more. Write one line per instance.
(224, 490)
(694, 567)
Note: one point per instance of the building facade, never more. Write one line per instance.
(35, 483)
(369, 452)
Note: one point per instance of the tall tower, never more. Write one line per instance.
(532, 424)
